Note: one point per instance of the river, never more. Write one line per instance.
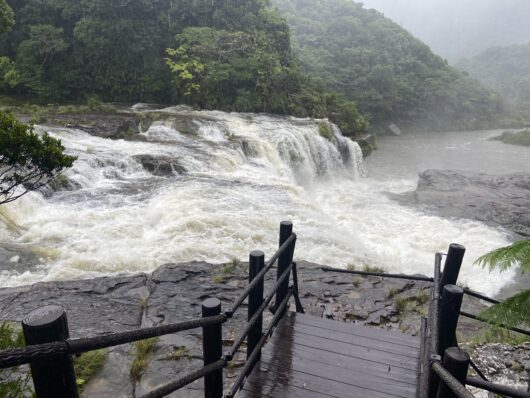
(244, 174)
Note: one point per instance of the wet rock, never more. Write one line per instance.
(495, 200)
(119, 125)
(160, 165)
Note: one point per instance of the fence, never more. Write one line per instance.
(49, 349)
(443, 365)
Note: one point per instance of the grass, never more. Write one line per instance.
(178, 353)
(13, 384)
(401, 304)
(356, 282)
(371, 268)
(325, 131)
(422, 297)
(514, 137)
(351, 267)
(143, 349)
(88, 365)
(392, 292)
(229, 268)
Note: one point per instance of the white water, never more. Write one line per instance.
(231, 200)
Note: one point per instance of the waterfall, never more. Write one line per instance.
(206, 185)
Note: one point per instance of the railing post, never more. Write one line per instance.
(452, 265)
(449, 312)
(456, 361)
(255, 300)
(52, 377)
(212, 346)
(286, 229)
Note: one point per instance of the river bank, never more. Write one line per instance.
(174, 293)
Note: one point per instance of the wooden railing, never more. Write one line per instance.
(49, 349)
(443, 365)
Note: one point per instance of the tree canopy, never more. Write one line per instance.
(27, 161)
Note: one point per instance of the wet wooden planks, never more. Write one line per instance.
(312, 357)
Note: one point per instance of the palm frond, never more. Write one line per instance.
(512, 312)
(506, 257)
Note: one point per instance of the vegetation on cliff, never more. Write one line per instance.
(392, 76)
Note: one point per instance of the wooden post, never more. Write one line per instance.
(453, 262)
(212, 345)
(449, 312)
(52, 377)
(286, 229)
(255, 300)
(456, 361)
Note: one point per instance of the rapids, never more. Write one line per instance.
(244, 174)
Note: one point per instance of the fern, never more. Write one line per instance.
(512, 312)
(506, 257)
(515, 310)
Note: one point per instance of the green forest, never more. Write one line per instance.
(392, 76)
(237, 56)
(506, 69)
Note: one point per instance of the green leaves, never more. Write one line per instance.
(506, 257)
(27, 161)
(513, 311)
(7, 17)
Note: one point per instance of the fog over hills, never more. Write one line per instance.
(457, 29)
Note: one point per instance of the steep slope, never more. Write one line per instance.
(506, 69)
(392, 76)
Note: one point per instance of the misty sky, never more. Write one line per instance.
(458, 29)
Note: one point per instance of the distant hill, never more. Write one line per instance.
(505, 69)
(392, 76)
(457, 29)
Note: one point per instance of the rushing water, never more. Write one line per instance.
(245, 173)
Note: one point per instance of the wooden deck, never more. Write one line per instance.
(310, 357)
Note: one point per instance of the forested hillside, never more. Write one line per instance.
(236, 56)
(506, 69)
(392, 76)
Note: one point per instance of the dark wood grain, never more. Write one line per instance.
(318, 358)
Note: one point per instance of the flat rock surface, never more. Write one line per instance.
(495, 200)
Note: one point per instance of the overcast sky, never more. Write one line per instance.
(458, 29)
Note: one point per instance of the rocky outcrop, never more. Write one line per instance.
(367, 144)
(496, 200)
(160, 165)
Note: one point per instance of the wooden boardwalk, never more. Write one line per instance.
(310, 357)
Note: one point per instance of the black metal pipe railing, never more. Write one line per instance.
(381, 274)
(477, 318)
(472, 293)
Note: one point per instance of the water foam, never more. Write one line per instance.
(245, 173)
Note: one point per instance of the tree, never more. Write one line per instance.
(7, 17)
(515, 310)
(27, 161)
